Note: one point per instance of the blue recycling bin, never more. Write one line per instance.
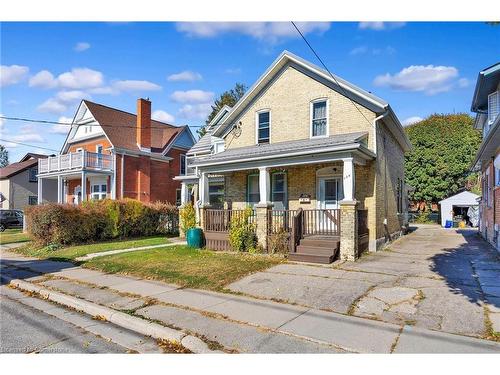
(448, 224)
(194, 237)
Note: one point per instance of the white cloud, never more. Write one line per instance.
(81, 46)
(192, 96)
(12, 74)
(71, 96)
(80, 78)
(233, 70)
(429, 79)
(162, 116)
(463, 82)
(52, 105)
(380, 25)
(135, 85)
(361, 50)
(104, 90)
(27, 133)
(185, 76)
(266, 31)
(411, 120)
(195, 111)
(60, 128)
(2, 123)
(43, 79)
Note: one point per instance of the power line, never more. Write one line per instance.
(28, 145)
(328, 70)
(71, 124)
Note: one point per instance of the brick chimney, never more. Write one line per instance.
(144, 123)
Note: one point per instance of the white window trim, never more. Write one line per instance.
(257, 125)
(285, 187)
(183, 156)
(99, 182)
(311, 103)
(97, 148)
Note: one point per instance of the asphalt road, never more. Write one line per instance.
(26, 330)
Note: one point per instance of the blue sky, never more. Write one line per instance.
(419, 68)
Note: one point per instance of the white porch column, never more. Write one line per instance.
(264, 185)
(184, 193)
(112, 184)
(348, 179)
(59, 189)
(204, 197)
(84, 186)
(40, 190)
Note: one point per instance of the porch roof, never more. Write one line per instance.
(341, 142)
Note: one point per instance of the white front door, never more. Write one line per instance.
(329, 192)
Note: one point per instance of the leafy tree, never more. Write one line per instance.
(444, 147)
(229, 97)
(4, 156)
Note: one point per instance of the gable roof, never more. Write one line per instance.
(32, 155)
(487, 82)
(353, 92)
(120, 127)
(465, 197)
(15, 168)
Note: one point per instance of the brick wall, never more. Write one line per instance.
(288, 99)
(91, 145)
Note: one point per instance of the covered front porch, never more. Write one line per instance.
(80, 176)
(320, 208)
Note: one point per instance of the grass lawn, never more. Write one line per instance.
(13, 236)
(72, 252)
(181, 265)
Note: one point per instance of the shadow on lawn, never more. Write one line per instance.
(459, 266)
(26, 269)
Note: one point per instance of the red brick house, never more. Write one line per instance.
(486, 103)
(109, 153)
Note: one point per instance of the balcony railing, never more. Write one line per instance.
(75, 161)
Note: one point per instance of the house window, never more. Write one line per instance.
(279, 190)
(216, 194)
(32, 174)
(178, 197)
(99, 191)
(497, 174)
(218, 147)
(493, 106)
(183, 165)
(32, 200)
(319, 119)
(263, 127)
(253, 193)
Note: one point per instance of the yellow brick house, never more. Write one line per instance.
(314, 155)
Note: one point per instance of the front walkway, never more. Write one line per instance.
(437, 279)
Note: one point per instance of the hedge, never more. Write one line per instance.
(99, 220)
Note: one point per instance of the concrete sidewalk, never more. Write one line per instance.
(239, 323)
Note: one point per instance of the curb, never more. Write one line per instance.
(144, 327)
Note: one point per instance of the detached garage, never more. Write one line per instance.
(460, 208)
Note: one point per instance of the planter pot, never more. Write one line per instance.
(194, 237)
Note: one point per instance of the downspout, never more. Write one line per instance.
(122, 177)
(374, 124)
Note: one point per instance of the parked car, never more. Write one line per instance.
(11, 219)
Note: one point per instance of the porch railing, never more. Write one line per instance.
(216, 225)
(322, 222)
(75, 161)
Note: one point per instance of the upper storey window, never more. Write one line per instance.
(319, 118)
(493, 106)
(263, 127)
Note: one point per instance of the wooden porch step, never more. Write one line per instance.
(312, 258)
(320, 242)
(317, 250)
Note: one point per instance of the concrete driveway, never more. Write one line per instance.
(445, 280)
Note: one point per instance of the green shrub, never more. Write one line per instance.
(99, 220)
(187, 216)
(242, 232)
